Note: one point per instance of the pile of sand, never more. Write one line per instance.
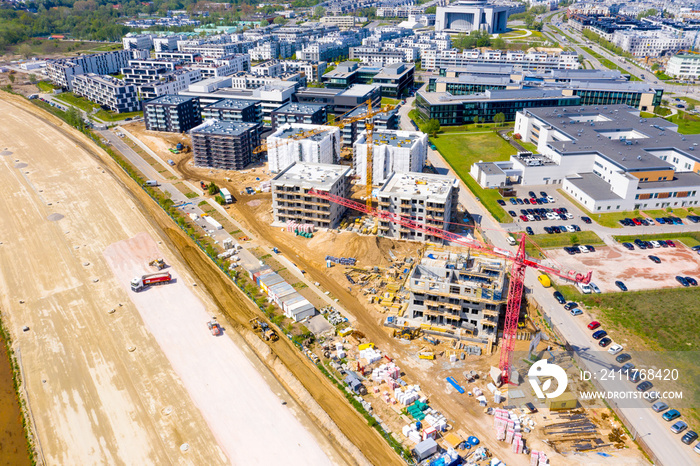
(369, 250)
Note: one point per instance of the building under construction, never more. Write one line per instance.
(464, 290)
(291, 201)
(392, 151)
(298, 142)
(427, 198)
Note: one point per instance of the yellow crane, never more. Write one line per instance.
(368, 118)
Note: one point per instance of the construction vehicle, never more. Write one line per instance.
(214, 327)
(407, 333)
(203, 185)
(157, 263)
(426, 354)
(520, 262)
(266, 332)
(432, 341)
(150, 279)
(180, 148)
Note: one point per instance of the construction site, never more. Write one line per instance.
(422, 364)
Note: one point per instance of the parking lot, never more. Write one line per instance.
(633, 268)
(526, 214)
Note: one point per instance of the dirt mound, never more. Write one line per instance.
(369, 250)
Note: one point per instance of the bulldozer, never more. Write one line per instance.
(157, 263)
(406, 333)
(266, 332)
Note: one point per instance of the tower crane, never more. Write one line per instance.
(520, 262)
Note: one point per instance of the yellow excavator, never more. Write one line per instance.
(157, 263)
(406, 333)
(266, 332)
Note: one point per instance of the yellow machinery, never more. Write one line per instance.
(426, 354)
(407, 333)
(265, 331)
(157, 263)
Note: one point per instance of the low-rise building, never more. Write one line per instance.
(107, 91)
(294, 112)
(468, 16)
(467, 291)
(342, 101)
(248, 111)
(172, 113)
(392, 151)
(291, 201)
(224, 145)
(304, 143)
(137, 42)
(343, 21)
(426, 198)
(684, 66)
(435, 59)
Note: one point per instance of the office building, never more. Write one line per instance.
(292, 203)
(342, 101)
(224, 145)
(392, 151)
(395, 80)
(467, 291)
(172, 113)
(428, 199)
(109, 92)
(468, 16)
(294, 112)
(303, 143)
(235, 110)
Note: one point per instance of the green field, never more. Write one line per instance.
(687, 123)
(462, 150)
(689, 238)
(80, 102)
(559, 240)
(45, 86)
(610, 65)
(390, 101)
(104, 115)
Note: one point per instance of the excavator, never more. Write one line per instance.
(157, 263)
(406, 333)
(266, 332)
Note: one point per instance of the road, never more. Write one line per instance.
(652, 430)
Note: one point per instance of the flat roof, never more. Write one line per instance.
(223, 128)
(362, 109)
(170, 99)
(288, 130)
(311, 175)
(300, 108)
(435, 98)
(236, 104)
(394, 138)
(423, 185)
(594, 186)
(360, 90)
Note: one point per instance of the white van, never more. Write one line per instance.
(511, 240)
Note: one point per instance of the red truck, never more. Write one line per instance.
(144, 281)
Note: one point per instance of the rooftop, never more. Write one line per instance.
(392, 138)
(435, 98)
(311, 175)
(235, 104)
(223, 128)
(299, 108)
(594, 186)
(431, 187)
(360, 90)
(170, 99)
(288, 131)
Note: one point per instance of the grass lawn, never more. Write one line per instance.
(45, 86)
(462, 150)
(471, 127)
(560, 240)
(104, 115)
(646, 115)
(390, 101)
(80, 102)
(689, 238)
(590, 51)
(610, 65)
(687, 124)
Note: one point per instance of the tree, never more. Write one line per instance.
(319, 12)
(476, 119)
(431, 127)
(74, 118)
(212, 188)
(499, 118)
(11, 77)
(691, 107)
(32, 78)
(25, 50)
(279, 20)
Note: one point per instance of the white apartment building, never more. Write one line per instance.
(107, 91)
(343, 21)
(392, 151)
(684, 66)
(61, 72)
(288, 144)
(432, 59)
(137, 42)
(166, 43)
(649, 43)
(169, 83)
(384, 56)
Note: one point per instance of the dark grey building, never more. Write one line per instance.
(172, 113)
(224, 145)
(342, 101)
(236, 110)
(294, 112)
(382, 121)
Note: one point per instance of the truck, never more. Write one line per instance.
(226, 195)
(150, 279)
(214, 327)
(151, 183)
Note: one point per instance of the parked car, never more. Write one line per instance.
(689, 437)
(513, 201)
(659, 407)
(670, 243)
(628, 367)
(682, 280)
(501, 202)
(620, 285)
(519, 201)
(634, 375)
(586, 220)
(644, 386)
(576, 312)
(624, 357)
(590, 248)
(614, 349)
(593, 325)
(679, 427)
(570, 305)
(529, 231)
(697, 448)
(604, 342)
(655, 259)
(559, 297)
(691, 281)
(671, 415)
(629, 246)
(656, 244)
(599, 334)
(594, 287)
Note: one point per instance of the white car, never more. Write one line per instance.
(550, 199)
(585, 289)
(552, 216)
(615, 348)
(570, 228)
(594, 287)
(656, 244)
(583, 249)
(531, 218)
(568, 215)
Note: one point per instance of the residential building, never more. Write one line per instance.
(172, 113)
(137, 42)
(169, 83)
(467, 291)
(184, 57)
(343, 21)
(382, 122)
(311, 70)
(434, 59)
(321, 51)
(383, 56)
(62, 71)
(224, 145)
(235, 110)
(427, 198)
(304, 143)
(294, 112)
(216, 50)
(392, 151)
(166, 43)
(684, 66)
(109, 92)
(291, 201)
(609, 159)
(645, 44)
(468, 16)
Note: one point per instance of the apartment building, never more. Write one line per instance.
(384, 56)
(650, 43)
(236, 110)
(684, 66)
(434, 59)
(169, 83)
(343, 21)
(224, 145)
(382, 122)
(290, 194)
(215, 50)
(184, 57)
(137, 42)
(109, 92)
(62, 71)
(167, 43)
(321, 51)
(294, 112)
(172, 113)
(467, 291)
(304, 143)
(429, 199)
(392, 151)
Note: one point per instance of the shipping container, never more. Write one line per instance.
(265, 281)
(210, 220)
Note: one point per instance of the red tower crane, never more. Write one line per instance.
(520, 260)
